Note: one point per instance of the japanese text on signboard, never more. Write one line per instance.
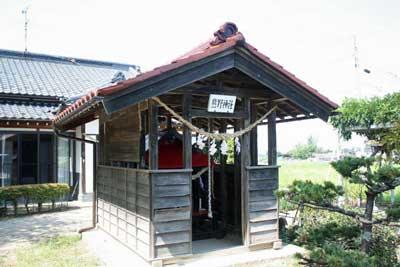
(221, 103)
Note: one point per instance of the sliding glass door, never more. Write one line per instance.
(26, 158)
(8, 159)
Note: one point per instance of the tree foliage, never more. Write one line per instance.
(377, 118)
(366, 113)
(305, 151)
(309, 192)
(376, 178)
(360, 171)
(334, 240)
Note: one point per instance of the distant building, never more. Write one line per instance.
(32, 87)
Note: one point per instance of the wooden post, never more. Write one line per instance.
(223, 184)
(272, 160)
(253, 136)
(245, 161)
(237, 170)
(187, 151)
(153, 135)
(143, 126)
(187, 133)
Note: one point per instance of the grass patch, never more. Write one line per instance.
(385, 198)
(317, 172)
(62, 251)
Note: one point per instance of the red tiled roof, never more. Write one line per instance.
(204, 50)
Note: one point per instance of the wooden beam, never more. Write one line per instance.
(292, 119)
(276, 100)
(196, 113)
(169, 80)
(272, 153)
(187, 133)
(227, 90)
(153, 135)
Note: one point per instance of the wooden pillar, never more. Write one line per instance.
(272, 154)
(187, 133)
(143, 126)
(223, 184)
(237, 172)
(153, 135)
(253, 136)
(245, 161)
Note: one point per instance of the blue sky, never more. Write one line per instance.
(312, 39)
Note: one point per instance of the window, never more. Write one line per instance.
(8, 159)
(26, 158)
(64, 161)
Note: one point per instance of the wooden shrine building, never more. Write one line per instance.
(158, 189)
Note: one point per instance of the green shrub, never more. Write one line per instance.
(320, 227)
(384, 246)
(33, 194)
(11, 194)
(335, 240)
(334, 255)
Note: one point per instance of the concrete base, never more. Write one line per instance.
(278, 244)
(210, 253)
(86, 197)
(226, 256)
(111, 252)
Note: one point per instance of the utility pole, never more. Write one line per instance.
(25, 13)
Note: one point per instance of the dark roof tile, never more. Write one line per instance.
(44, 75)
(24, 110)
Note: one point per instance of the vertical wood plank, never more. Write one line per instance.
(245, 161)
(272, 154)
(153, 135)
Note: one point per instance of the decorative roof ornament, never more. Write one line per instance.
(118, 77)
(228, 29)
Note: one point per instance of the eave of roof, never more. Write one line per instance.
(25, 74)
(202, 51)
(64, 59)
(26, 110)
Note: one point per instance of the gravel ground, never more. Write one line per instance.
(32, 228)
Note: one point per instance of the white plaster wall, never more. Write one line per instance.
(78, 158)
(91, 130)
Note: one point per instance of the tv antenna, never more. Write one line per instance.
(25, 13)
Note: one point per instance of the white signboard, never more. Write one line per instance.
(221, 103)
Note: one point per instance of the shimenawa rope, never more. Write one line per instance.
(216, 136)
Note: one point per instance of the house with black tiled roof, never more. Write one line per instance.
(32, 87)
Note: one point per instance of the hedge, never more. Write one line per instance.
(33, 194)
